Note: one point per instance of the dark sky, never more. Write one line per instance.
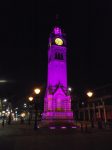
(24, 30)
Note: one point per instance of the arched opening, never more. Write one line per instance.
(61, 56)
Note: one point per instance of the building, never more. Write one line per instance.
(94, 109)
(57, 101)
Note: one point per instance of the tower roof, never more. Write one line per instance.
(57, 20)
(53, 90)
(57, 30)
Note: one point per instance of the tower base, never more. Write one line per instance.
(57, 119)
(58, 115)
(57, 123)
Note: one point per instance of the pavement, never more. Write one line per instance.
(23, 137)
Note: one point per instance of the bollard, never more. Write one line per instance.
(105, 125)
(3, 123)
(99, 124)
(81, 127)
(86, 128)
(22, 120)
(92, 124)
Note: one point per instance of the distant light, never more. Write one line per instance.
(16, 112)
(3, 81)
(30, 98)
(15, 119)
(73, 127)
(82, 103)
(52, 127)
(70, 89)
(63, 127)
(3, 112)
(12, 114)
(5, 100)
(16, 108)
(22, 114)
(24, 104)
(8, 112)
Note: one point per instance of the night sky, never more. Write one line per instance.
(24, 30)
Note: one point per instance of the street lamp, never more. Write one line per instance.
(29, 106)
(5, 100)
(22, 117)
(30, 99)
(69, 89)
(23, 114)
(36, 91)
(89, 94)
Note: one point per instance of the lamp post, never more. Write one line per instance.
(89, 94)
(22, 117)
(36, 91)
(29, 106)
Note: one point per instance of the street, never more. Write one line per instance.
(23, 137)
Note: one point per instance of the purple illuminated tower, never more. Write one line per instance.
(57, 102)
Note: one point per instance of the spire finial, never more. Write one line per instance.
(57, 19)
(57, 16)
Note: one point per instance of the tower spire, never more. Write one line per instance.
(57, 20)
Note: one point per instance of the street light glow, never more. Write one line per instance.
(37, 91)
(3, 81)
(82, 103)
(70, 89)
(5, 100)
(3, 112)
(22, 114)
(30, 98)
(25, 105)
(89, 94)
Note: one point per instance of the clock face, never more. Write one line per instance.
(59, 41)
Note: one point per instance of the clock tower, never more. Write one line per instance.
(57, 101)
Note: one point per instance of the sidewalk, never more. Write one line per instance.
(23, 137)
(15, 128)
